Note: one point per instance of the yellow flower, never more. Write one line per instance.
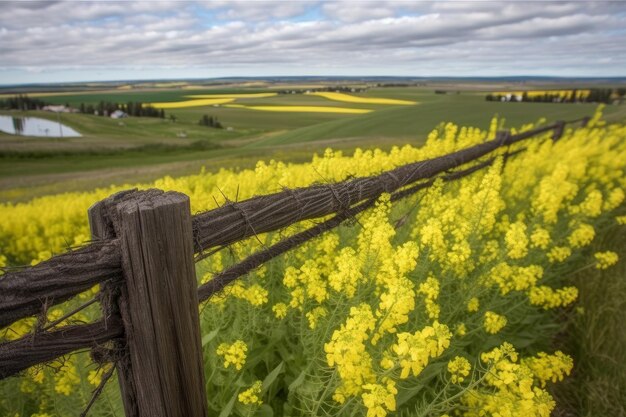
(559, 254)
(66, 378)
(473, 305)
(459, 368)
(581, 236)
(95, 377)
(234, 354)
(540, 238)
(314, 315)
(605, 259)
(550, 367)
(251, 395)
(280, 310)
(546, 297)
(493, 322)
(516, 240)
(414, 350)
(379, 399)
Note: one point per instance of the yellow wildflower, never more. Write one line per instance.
(314, 315)
(516, 240)
(493, 322)
(473, 305)
(251, 395)
(559, 254)
(234, 354)
(379, 399)
(280, 310)
(549, 367)
(605, 259)
(459, 368)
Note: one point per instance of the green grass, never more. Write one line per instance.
(417, 121)
(146, 148)
(595, 336)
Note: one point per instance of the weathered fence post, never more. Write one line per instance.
(113, 298)
(164, 374)
(559, 129)
(585, 121)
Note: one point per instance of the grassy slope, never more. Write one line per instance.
(45, 165)
(419, 120)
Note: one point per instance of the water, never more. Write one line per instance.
(34, 126)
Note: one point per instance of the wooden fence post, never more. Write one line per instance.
(559, 129)
(113, 299)
(158, 304)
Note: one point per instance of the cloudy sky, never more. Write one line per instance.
(44, 41)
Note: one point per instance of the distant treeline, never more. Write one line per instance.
(334, 89)
(132, 108)
(210, 121)
(594, 95)
(22, 102)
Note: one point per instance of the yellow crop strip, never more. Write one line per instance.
(191, 103)
(242, 95)
(535, 93)
(302, 109)
(347, 98)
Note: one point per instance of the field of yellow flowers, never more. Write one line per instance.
(445, 304)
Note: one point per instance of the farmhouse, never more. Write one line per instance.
(118, 114)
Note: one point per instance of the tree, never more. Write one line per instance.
(621, 92)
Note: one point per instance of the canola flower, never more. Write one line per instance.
(494, 322)
(233, 354)
(459, 369)
(301, 109)
(349, 321)
(234, 96)
(358, 99)
(251, 396)
(473, 305)
(190, 103)
(539, 93)
(379, 399)
(605, 259)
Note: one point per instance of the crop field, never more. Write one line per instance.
(259, 122)
(483, 292)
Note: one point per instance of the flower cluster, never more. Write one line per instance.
(459, 368)
(493, 322)
(252, 395)
(233, 354)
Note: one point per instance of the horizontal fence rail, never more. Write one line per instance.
(22, 292)
(31, 291)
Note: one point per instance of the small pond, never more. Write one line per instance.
(34, 126)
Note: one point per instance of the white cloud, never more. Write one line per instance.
(389, 37)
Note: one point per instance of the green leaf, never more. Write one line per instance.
(298, 381)
(431, 371)
(208, 337)
(227, 411)
(264, 411)
(271, 377)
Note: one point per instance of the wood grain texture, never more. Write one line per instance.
(18, 355)
(163, 332)
(114, 299)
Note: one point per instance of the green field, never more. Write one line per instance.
(139, 148)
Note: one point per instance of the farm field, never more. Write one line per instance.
(141, 148)
(449, 302)
(326, 208)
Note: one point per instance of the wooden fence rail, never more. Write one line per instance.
(143, 257)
